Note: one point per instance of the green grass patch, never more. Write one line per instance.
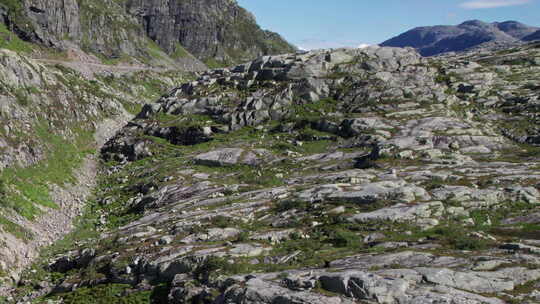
(212, 63)
(155, 51)
(106, 294)
(314, 111)
(10, 41)
(179, 52)
(526, 231)
(26, 188)
(450, 235)
(15, 229)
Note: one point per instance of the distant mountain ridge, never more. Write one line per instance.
(434, 40)
(533, 36)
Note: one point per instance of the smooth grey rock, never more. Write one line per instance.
(402, 213)
(365, 286)
(257, 291)
(372, 192)
(232, 156)
(247, 250)
(480, 282)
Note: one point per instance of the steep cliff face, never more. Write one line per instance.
(55, 21)
(216, 31)
(100, 27)
(209, 29)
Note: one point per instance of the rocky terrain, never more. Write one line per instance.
(338, 176)
(53, 119)
(72, 73)
(434, 40)
(369, 175)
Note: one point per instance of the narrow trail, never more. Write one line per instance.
(104, 66)
(90, 69)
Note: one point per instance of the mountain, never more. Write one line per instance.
(515, 29)
(434, 40)
(218, 32)
(532, 37)
(212, 30)
(332, 176)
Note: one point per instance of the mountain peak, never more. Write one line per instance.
(434, 40)
(515, 29)
(476, 23)
(510, 23)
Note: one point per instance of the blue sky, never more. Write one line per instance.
(336, 23)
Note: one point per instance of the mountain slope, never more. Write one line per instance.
(433, 40)
(212, 30)
(354, 175)
(99, 27)
(156, 32)
(52, 120)
(515, 29)
(532, 37)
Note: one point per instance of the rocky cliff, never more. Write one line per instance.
(343, 176)
(98, 26)
(154, 32)
(216, 31)
(434, 40)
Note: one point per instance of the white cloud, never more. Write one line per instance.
(480, 4)
(363, 45)
(314, 43)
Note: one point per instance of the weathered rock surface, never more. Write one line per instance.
(155, 32)
(233, 156)
(335, 176)
(212, 29)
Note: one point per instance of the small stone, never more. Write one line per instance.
(408, 154)
(454, 145)
(374, 237)
(165, 240)
(337, 210)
